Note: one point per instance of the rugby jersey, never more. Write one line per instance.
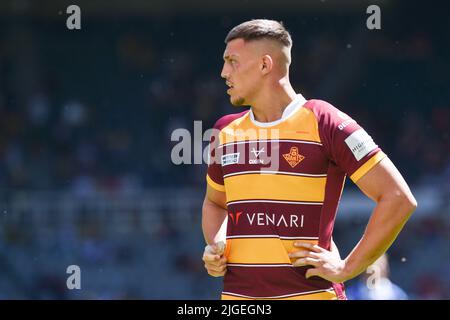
(283, 181)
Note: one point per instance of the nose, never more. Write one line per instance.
(225, 73)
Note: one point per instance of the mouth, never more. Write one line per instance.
(230, 87)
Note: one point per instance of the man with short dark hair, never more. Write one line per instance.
(276, 175)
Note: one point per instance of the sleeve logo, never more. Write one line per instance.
(360, 143)
(231, 158)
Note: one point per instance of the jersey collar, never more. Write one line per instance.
(292, 107)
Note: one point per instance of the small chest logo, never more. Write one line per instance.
(293, 157)
(257, 152)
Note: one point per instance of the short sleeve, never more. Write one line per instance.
(346, 143)
(214, 176)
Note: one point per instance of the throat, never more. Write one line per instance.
(267, 115)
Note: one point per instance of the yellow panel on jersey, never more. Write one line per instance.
(275, 186)
(243, 129)
(289, 244)
(257, 251)
(261, 250)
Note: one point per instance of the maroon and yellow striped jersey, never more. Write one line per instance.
(283, 181)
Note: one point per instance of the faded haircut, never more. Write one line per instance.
(261, 29)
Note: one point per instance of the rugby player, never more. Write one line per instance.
(275, 178)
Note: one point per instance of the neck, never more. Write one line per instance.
(269, 106)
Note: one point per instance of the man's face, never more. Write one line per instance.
(241, 71)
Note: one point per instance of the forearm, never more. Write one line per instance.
(213, 222)
(387, 220)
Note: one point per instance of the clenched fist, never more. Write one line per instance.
(215, 261)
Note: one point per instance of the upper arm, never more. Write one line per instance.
(385, 181)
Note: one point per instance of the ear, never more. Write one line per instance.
(267, 64)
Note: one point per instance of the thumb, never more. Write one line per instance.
(311, 273)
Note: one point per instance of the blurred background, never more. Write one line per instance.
(86, 118)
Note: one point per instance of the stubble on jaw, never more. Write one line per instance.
(239, 102)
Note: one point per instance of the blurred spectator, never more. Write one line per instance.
(374, 284)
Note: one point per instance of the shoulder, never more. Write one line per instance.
(329, 117)
(322, 108)
(227, 119)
